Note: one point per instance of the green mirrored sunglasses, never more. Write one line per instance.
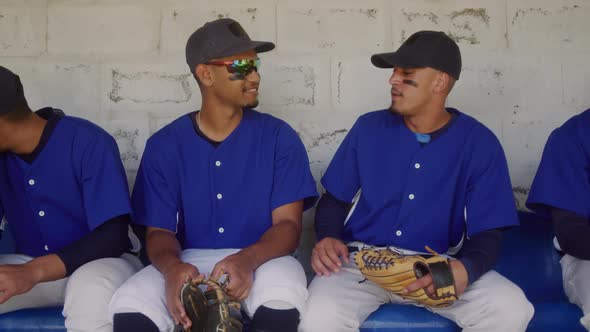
(241, 67)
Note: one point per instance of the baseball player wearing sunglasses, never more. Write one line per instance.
(221, 191)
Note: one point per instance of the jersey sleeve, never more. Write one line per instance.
(292, 179)
(490, 202)
(342, 178)
(153, 199)
(562, 179)
(104, 184)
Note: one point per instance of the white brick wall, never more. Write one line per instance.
(102, 27)
(181, 18)
(131, 136)
(474, 24)
(560, 25)
(168, 80)
(331, 26)
(294, 82)
(23, 27)
(358, 86)
(121, 64)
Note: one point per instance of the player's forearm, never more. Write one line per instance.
(280, 240)
(46, 268)
(162, 248)
(330, 216)
(480, 253)
(108, 240)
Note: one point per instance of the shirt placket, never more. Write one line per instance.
(410, 199)
(216, 166)
(33, 186)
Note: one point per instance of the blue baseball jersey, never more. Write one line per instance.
(75, 183)
(415, 195)
(563, 176)
(221, 197)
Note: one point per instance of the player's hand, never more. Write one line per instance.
(176, 276)
(328, 255)
(240, 269)
(17, 279)
(459, 274)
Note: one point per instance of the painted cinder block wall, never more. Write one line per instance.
(120, 63)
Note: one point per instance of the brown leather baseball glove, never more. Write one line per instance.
(209, 307)
(393, 272)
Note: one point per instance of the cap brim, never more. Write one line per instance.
(383, 60)
(257, 46)
(395, 59)
(261, 47)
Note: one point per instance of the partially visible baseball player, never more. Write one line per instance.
(222, 191)
(427, 176)
(64, 194)
(561, 191)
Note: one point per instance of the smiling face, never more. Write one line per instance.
(230, 87)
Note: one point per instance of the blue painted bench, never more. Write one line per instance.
(528, 259)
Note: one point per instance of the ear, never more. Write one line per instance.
(204, 75)
(441, 82)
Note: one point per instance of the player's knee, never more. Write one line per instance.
(285, 265)
(97, 280)
(320, 315)
(524, 311)
(103, 275)
(311, 322)
(512, 307)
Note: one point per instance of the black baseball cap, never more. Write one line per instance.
(218, 39)
(11, 91)
(432, 49)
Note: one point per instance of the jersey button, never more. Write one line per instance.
(411, 196)
(219, 196)
(46, 248)
(41, 213)
(221, 230)
(398, 233)
(218, 163)
(416, 165)
(31, 182)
